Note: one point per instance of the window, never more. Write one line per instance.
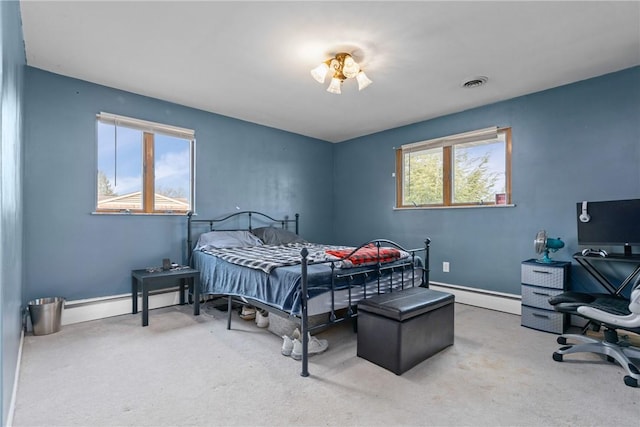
(472, 168)
(143, 167)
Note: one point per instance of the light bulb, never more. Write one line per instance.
(334, 87)
(363, 80)
(350, 67)
(320, 72)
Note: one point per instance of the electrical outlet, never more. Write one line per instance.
(445, 266)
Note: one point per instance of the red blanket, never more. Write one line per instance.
(366, 255)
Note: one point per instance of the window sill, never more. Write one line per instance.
(455, 207)
(140, 213)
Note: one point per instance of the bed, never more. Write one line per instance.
(254, 258)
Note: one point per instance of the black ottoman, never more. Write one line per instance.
(400, 329)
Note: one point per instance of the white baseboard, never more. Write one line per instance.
(14, 393)
(116, 305)
(499, 301)
(98, 308)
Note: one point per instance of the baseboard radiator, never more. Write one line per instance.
(499, 301)
(116, 305)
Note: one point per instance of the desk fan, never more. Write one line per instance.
(544, 244)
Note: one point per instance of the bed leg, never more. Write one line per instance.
(305, 319)
(229, 312)
(425, 271)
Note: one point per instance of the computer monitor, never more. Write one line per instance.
(609, 223)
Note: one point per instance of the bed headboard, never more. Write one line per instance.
(243, 220)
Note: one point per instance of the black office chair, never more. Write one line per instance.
(611, 312)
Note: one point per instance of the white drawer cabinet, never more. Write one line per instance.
(541, 281)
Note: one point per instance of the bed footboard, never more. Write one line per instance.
(377, 269)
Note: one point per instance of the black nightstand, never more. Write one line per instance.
(145, 281)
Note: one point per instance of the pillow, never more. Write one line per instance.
(227, 239)
(277, 236)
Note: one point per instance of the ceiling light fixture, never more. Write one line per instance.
(343, 67)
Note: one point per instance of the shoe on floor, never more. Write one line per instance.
(295, 334)
(248, 312)
(316, 346)
(287, 345)
(287, 342)
(262, 318)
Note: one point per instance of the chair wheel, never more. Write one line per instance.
(558, 358)
(562, 340)
(630, 381)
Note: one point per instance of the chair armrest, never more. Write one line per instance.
(634, 305)
(629, 321)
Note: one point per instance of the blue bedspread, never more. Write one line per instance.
(280, 288)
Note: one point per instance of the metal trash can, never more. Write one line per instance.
(46, 315)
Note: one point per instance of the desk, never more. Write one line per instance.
(589, 262)
(150, 280)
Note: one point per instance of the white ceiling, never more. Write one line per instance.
(251, 60)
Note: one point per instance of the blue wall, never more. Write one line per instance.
(74, 254)
(11, 221)
(572, 143)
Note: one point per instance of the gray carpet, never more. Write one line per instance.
(183, 370)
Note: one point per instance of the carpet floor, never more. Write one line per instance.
(183, 370)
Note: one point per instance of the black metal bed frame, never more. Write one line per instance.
(284, 223)
(375, 270)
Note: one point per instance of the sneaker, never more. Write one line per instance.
(262, 318)
(287, 345)
(295, 334)
(287, 342)
(316, 346)
(248, 312)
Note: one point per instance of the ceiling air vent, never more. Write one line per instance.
(475, 82)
